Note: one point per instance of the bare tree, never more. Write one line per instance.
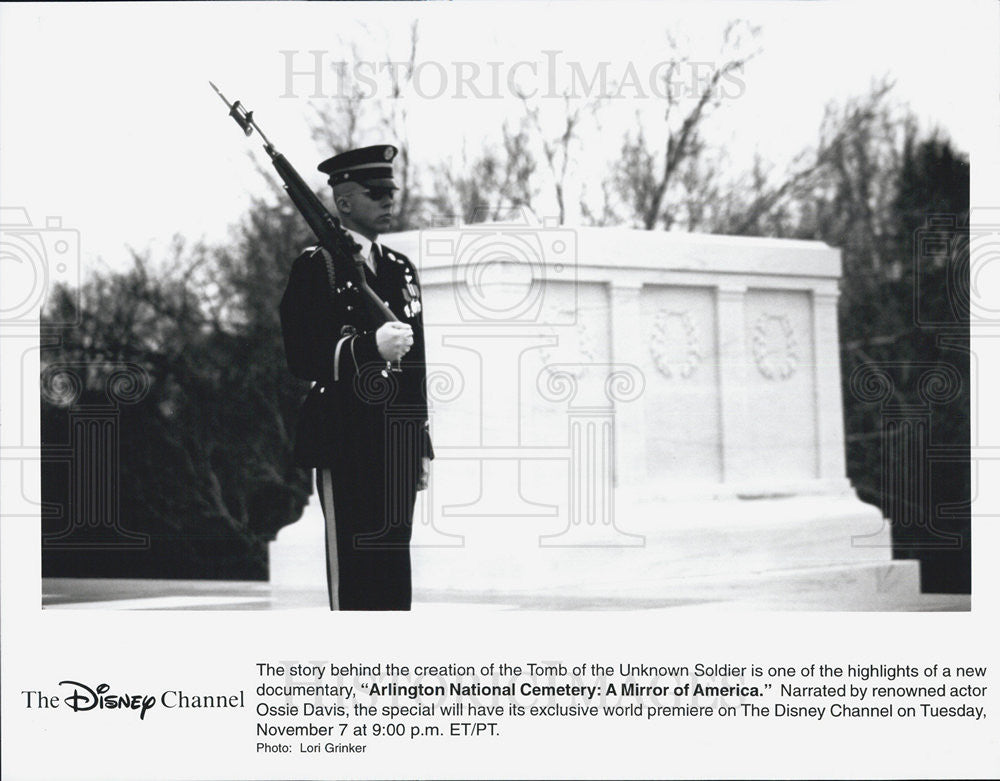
(650, 174)
(336, 126)
(857, 153)
(359, 117)
(861, 154)
(607, 214)
(558, 144)
(490, 186)
(394, 121)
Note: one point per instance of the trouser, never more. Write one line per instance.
(367, 548)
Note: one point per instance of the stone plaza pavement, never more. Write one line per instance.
(789, 594)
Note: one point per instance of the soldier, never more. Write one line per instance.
(363, 426)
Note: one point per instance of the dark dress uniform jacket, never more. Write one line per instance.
(368, 426)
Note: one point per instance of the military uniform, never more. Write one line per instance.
(363, 427)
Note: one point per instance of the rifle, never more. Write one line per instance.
(342, 251)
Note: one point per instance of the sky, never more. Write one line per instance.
(107, 121)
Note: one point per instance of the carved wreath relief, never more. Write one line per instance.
(775, 349)
(674, 345)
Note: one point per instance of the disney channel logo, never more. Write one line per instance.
(87, 698)
(84, 698)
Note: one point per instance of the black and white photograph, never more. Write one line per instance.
(498, 390)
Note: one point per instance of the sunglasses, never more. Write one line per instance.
(379, 193)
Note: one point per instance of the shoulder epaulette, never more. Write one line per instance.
(312, 252)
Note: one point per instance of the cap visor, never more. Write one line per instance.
(380, 183)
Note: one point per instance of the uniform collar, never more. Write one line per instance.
(366, 244)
